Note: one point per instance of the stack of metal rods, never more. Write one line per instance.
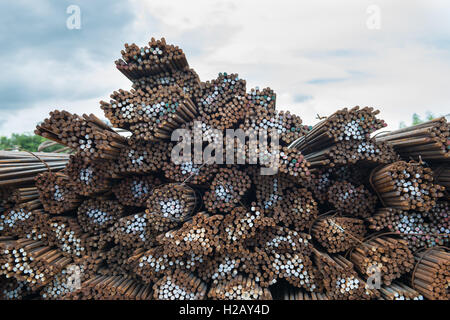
(64, 282)
(319, 184)
(406, 186)
(152, 264)
(296, 268)
(156, 58)
(399, 291)
(19, 221)
(12, 289)
(190, 172)
(141, 157)
(6, 200)
(343, 125)
(227, 189)
(240, 225)
(338, 234)
(340, 279)
(239, 288)
(296, 294)
(270, 189)
(133, 231)
(19, 167)
(179, 285)
(218, 92)
(323, 178)
(96, 215)
(353, 200)
(439, 217)
(389, 256)
(111, 287)
(31, 261)
(441, 175)
(265, 98)
(219, 268)
(277, 253)
(208, 133)
(173, 200)
(297, 210)
(88, 135)
(227, 115)
(427, 141)
(431, 275)
(87, 178)
(198, 236)
(135, 190)
(415, 227)
(56, 192)
(117, 260)
(66, 234)
(288, 126)
(136, 225)
(293, 163)
(187, 79)
(350, 152)
(151, 114)
(289, 257)
(158, 224)
(27, 196)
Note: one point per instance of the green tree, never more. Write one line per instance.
(416, 119)
(24, 141)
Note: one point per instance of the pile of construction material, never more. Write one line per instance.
(349, 213)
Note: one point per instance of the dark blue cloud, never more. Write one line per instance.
(34, 33)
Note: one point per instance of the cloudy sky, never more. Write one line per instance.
(317, 55)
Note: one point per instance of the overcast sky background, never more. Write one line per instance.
(317, 55)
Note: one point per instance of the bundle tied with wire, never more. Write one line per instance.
(340, 280)
(152, 114)
(95, 215)
(190, 172)
(418, 228)
(296, 210)
(271, 189)
(226, 190)
(87, 178)
(406, 186)
(173, 201)
(428, 141)
(386, 255)
(19, 169)
(142, 157)
(338, 234)
(19, 221)
(66, 234)
(199, 236)
(154, 263)
(239, 288)
(355, 124)
(156, 58)
(92, 138)
(56, 192)
(431, 274)
(240, 225)
(135, 190)
(217, 93)
(179, 285)
(353, 200)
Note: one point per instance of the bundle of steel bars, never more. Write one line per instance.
(331, 211)
(427, 141)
